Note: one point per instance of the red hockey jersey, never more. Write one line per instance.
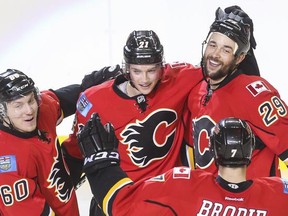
(252, 99)
(32, 172)
(149, 127)
(181, 191)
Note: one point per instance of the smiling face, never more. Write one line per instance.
(219, 56)
(22, 113)
(145, 77)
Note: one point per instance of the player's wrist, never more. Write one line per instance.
(100, 160)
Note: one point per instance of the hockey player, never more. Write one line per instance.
(33, 177)
(32, 173)
(226, 91)
(145, 105)
(182, 191)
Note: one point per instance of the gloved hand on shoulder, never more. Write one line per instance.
(99, 76)
(237, 11)
(249, 65)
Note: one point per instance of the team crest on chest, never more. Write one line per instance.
(59, 179)
(150, 139)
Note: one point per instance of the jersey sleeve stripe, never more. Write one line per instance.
(112, 191)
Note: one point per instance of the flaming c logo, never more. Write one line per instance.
(152, 138)
(59, 178)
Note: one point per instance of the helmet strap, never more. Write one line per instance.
(132, 84)
(8, 123)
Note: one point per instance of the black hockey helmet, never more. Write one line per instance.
(14, 84)
(143, 47)
(233, 27)
(232, 142)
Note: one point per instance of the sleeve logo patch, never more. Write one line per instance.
(83, 105)
(257, 87)
(159, 178)
(181, 172)
(8, 163)
(285, 186)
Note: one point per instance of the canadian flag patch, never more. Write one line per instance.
(257, 87)
(181, 172)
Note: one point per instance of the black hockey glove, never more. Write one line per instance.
(98, 77)
(98, 145)
(236, 10)
(249, 65)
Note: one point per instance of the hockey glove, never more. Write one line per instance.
(236, 10)
(98, 145)
(249, 65)
(98, 77)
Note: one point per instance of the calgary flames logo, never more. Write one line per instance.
(150, 139)
(59, 178)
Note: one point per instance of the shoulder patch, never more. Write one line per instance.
(8, 163)
(83, 105)
(257, 87)
(178, 64)
(159, 178)
(181, 172)
(285, 186)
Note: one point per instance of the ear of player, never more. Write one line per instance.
(98, 145)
